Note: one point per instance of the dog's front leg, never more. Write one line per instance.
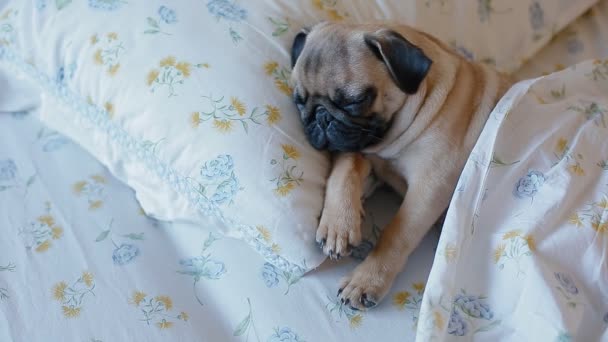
(424, 202)
(340, 226)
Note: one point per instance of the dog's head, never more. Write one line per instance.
(350, 80)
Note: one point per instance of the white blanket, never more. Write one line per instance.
(523, 255)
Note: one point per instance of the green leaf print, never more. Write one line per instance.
(134, 236)
(244, 325)
(61, 4)
(102, 236)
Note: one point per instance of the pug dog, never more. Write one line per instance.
(396, 103)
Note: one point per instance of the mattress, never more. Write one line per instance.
(79, 261)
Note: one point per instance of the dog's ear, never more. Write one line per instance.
(298, 45)
(406, 63)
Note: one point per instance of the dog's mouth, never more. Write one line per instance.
(339, 134)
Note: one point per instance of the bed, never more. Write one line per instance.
(79, 261)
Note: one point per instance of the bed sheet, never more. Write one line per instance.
(586, 38)
(80, 262)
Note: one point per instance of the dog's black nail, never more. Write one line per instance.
(367, 302)
(347, 301)
(342, 300)
(331, 253)
(338, 256)
(340, 292)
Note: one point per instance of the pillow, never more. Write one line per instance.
(189, 102)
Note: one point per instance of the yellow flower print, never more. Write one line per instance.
(330, 9)
(166, 301)
(223, 126)
(280, 75)
(531, 243)
(109, 107)
(334, 15)
(288, 179)
(270, 67)
(265, 233)
(450, 252)
(170, 75)
(284, 87)
(355, 321)
(108, 52)
(205, 65)
(47, 220)
(603, 203)
(44, 246)
(562, 146)
(92, 189)
(574, 219)
(513, 249)
(155, 310)
(290, 152)
(511, 234)
(275, 248)
(195, 119)
(184, 68)
(224, 114)
(559, 67)
(56, 232)
(59, 291)
(87, 278)
(72, 297)
(577, 169)
(400, 299)
(285, 189)
(164, 324)
(152, 76)
(411, 301)
(498, 252)
(438, 320)
(599, 226)
(274, 115)
(167, 61)
(112, 70)
(97, 57)
(70, 311)
(137, 297)
(238, 106)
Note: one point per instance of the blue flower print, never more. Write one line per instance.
(54, 144)
(270, 275)
(226, 191)
(574, 45)
(529, 185)
(537, 16)
(284, 335)
(167, 15)
(464, 52)
(65, 73)
(566, 283)
(124, 254)
(106, 5)
(219, 167)
(203, 267)
(360, 252)
(8, 170)
(40, 4)
(224, 9)
(474, 306)
(457, 325)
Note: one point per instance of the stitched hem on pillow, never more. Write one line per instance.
(144, 154)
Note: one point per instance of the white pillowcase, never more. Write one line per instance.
(189, 103)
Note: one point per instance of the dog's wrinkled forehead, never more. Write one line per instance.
(336, 58)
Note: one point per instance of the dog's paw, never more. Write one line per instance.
(365, 287)
(339, 230)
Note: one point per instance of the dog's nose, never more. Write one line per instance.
(322, 116)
